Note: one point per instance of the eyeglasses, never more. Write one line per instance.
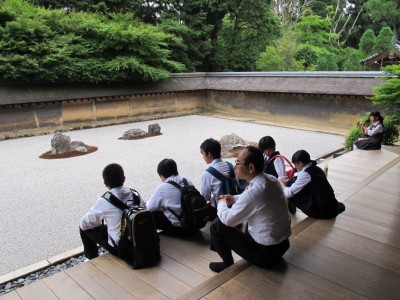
(237, 163)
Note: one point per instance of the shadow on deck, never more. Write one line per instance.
(354, 256)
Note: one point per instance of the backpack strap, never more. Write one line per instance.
(231, 170)
(179, 188)
(114, 201)
(216, 174)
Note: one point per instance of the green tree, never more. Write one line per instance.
(387, 11)
(353, 62)
(327, 63)
(49, 45)
(280, 56)
(367, 42)
(244, 34)
(387, 95)
(384, 40)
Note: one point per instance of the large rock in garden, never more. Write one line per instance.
(154, 129)
(134, 134)
(60, 143)
(231, 144)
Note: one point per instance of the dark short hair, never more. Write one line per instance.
(301, 156)
(256, 158)
(167, 167)
(211, 146)
(266, 142)
(113, 175)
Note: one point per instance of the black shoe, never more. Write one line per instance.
(218, 266)
(292, 208)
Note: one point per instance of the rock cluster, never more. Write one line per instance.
(136, 133)
(61, 143)
(231, 144)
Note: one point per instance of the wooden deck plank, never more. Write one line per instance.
(183, 253)
(290, 282)
(65, 288)
(11, 296)
(156, 277)
(366, 229)
(380, 254)
(97, 284)
(387, 205)
(180, 271)
(355, 274)
(127, 278)
(37, 290)
(372, 215)
(236, 290)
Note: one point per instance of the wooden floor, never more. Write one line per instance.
(355, 256)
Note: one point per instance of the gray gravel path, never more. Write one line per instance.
(42, 200)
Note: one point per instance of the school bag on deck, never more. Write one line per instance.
(196, 212)
(288, 164)
(230, 185)
(139, 245)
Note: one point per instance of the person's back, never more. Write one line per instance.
(165, 202)
(92, 229)
(211, 187)
(311, 192)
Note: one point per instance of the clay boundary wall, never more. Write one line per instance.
(322, 101)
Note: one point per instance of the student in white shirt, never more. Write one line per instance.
(165, 202)
(373, 133)
(92, 229)
(262, 205)
(211, 187)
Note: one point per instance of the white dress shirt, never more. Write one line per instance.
(263, 206)
(303, 178)
(375, 128)
(280, 169)
(211, 187)
(166, 196)
(102, 209)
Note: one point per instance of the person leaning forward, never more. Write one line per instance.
(93, 229)
(262, 205)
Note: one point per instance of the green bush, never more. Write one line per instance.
(390, 135)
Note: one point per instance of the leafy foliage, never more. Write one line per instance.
(388, 94)
(49, 45)
(367, 42)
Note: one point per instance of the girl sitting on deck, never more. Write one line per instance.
(373, 134)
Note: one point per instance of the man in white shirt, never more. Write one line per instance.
(211, 187)
(262, 205)
(92, 229)
(165, 202)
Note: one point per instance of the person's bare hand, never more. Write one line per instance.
(228, 199)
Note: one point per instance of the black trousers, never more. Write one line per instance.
(163, 223)
(224, 239)
(93, 237)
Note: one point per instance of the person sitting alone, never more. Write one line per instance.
(165, 202)
(311, 191)
(101, 224)
(262, 205)
(373, 133)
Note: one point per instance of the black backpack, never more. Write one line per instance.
(196, 212)
(139, 245)
(230, 185)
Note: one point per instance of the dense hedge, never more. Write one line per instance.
(38, 44)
